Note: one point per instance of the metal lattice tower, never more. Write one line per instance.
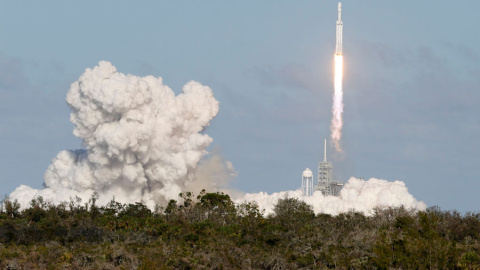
(307, 182)
(325, 183)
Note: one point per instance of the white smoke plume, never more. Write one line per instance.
(143, 143)
(357, 194)
(337, 106)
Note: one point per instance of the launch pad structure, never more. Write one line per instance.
(325, 182)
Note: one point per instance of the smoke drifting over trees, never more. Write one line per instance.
(357, 194)
(145, 144)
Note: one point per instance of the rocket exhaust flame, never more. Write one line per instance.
(337, 107)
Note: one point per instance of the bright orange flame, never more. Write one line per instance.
(337, 107)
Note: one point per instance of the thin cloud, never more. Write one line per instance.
(12, 75)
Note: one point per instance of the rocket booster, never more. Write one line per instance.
(338, 46)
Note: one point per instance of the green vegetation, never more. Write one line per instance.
(209, 231)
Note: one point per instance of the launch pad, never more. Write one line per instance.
(325, 182)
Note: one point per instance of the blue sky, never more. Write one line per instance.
(411, 84)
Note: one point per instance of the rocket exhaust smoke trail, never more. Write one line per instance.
(337, 107)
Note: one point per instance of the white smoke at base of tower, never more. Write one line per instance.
(143, 143)
(357, 195)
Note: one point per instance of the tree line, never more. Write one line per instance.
(209, 231)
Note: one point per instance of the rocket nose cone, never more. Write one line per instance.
(339, 5)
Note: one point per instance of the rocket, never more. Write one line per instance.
(338, 46)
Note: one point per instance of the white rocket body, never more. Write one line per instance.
(338, 47)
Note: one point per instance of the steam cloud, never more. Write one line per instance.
(357, 194)
(143, 143)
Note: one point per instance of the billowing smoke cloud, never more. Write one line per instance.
(143, 143)
(357, 194)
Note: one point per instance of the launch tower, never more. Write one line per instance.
(325, 183)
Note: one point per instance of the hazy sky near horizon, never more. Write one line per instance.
(411, 84)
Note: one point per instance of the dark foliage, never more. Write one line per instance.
(210, 232)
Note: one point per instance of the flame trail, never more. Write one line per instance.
(337, 107)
